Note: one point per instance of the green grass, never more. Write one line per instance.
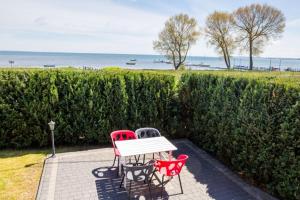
(20, 171)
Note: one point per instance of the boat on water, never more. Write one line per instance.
(162, 61)
(201, 65)
(130, 63)
(274, 69)
(49, 66)
(240, 67)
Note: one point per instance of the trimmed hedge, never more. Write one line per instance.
(86, 106)
(253, 126)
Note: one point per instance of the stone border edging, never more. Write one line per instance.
(40, 181)
(52, 179)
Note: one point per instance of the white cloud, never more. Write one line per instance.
(98, 20)
(108, 26)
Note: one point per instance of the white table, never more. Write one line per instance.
(143, 146)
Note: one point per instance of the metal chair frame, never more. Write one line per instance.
(138, 174)
(147, 132)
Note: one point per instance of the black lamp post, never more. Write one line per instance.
(51, 126)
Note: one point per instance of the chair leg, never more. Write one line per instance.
(180, 184)
(114, 161)
(162, 186)
(118, 161)
(144, 158)
(118, 166)
(122, 180)
(130, 188)
(152, 175)
(149, 186)
(137, 159)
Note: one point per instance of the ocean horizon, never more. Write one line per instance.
(142, 61)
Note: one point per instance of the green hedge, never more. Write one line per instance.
(253, 126)
(86, 106)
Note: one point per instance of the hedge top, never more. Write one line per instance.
(290, 79)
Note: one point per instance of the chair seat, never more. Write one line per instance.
(170, 168)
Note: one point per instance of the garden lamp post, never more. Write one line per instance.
(51, 126)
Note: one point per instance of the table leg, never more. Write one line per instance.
(120, 164)
(125, 174)
(170, 158)
(170, 155)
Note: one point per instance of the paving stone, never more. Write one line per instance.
(89, 175)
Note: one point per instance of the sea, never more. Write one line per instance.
(18, 59)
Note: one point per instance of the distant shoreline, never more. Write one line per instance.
(135, 61)
(97, 53)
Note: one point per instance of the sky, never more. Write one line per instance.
(122, 26)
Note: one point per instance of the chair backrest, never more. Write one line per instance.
(147, 133)
(139, 173)
(121, 135)
(172, 167)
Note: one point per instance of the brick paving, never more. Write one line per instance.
(90, 175)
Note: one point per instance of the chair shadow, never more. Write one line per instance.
(105, 172)
(108, 186)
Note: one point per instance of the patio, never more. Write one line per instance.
(89, 175)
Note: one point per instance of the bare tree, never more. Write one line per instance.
(175, 40)
(219, 31)
(257, 24)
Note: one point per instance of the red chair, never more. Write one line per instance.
(118, 136)
(170, 168)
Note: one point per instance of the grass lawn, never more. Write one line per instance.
(20, 172)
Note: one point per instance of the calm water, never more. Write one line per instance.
(39, 59)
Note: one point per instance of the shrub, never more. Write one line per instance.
(86, 105)
(250, 121)
(251, 125)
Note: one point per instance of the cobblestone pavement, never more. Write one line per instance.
(90, 175)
